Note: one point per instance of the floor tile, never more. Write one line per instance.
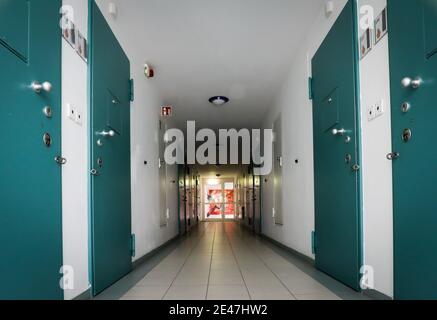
(317, 296)
(227, 293)
(146, 293)
(186, 293)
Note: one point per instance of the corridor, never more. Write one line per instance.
(224, 261)
(218, 150)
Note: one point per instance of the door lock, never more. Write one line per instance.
(47, 139)
(356, 167)
(407, 134)
(393, 156)
(405, 107)
(47, 111)
(100, 162)
(60, 160)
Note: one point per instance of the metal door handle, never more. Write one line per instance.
(110, 133)
(94, 172)
(38, 87)
(338, 132)
(410, 83)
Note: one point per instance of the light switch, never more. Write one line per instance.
(71, 112)
(79, 117)
(376, 110)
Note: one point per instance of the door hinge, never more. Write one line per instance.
(310, 88)
(313, 242)
(131, 90)
(132, 245)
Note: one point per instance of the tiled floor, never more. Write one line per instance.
(222, 261)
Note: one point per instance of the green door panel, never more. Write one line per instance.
(414, 173)
(337, 200)
(430, 26)
(111, 184)
(14, 26)
(30, 179)
(182, 201)
(114, 116)
(330, 111)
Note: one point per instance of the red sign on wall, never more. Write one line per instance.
(166, 111)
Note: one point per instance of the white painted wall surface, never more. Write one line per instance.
(298, 182)
(145, 112)
(297, 132)
(75, 150)
(377, 170)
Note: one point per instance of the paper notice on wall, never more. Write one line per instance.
(381, 26)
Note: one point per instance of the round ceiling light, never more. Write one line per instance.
(219, 100)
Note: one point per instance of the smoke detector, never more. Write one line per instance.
(219, 100)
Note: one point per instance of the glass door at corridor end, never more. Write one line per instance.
(219, 199)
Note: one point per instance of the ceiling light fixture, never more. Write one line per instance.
(219, 100)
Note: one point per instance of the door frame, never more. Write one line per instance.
(358, 131)
(222, 181)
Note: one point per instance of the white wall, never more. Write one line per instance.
(145, 111)
(298, 179)
(75, 150)
(144, 144)
(377, 170)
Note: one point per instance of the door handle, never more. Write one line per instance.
(94, 172)
(410, 83)
(110, 133)
(338, 132)
(38, 87)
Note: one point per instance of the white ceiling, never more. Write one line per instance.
(202, 48)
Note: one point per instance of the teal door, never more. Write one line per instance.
(336, 154)
(182, 201)
(30, 178)
(110, 156)
(413, 54)
(30, 184)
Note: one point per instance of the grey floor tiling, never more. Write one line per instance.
(223, 261)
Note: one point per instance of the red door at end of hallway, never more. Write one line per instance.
(112, 243)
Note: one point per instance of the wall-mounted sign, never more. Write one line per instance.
(69, 32)
(381, 27)
(75, 38)
(366, 43)
(82, 46)
(166, 111)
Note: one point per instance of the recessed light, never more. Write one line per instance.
(219, 100)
